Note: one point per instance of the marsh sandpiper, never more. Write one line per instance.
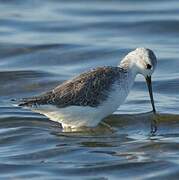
(88, 98)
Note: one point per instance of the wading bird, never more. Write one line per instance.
(88, 98)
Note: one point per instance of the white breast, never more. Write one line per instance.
(116, 97)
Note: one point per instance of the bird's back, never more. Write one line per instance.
(88, 89)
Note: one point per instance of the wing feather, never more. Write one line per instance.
(87, 89)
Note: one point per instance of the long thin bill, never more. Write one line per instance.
(149, 84)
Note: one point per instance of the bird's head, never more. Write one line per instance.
(141, 61)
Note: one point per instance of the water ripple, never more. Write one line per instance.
(45, 43)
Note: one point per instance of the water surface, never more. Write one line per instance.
(43, 43)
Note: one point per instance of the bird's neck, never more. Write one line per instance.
(130, 67)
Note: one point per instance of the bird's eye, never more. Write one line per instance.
(149, 66)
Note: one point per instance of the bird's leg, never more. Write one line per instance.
(107, 126)
(153, 125)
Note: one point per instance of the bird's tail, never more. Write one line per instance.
(34, 101)
(28, 102)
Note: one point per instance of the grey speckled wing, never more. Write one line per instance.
(87, 89)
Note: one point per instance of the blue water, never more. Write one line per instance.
(43, 43)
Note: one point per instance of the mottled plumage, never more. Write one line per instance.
(87, 89)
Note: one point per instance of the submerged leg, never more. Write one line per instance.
(107, 126)
(153, 126)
